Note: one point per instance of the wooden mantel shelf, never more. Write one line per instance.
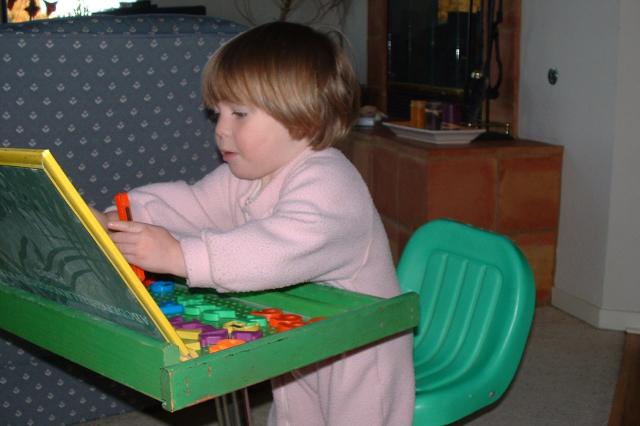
(508, 186)
(381, 134)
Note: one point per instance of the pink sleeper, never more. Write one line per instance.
(314, 221)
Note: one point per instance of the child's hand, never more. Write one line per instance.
(150, 247)
(104, 218)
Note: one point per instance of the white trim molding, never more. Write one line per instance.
(597, 316)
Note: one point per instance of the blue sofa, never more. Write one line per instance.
(117, 100)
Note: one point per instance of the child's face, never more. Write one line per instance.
(253, 143)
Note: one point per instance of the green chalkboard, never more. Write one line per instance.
(46, 250)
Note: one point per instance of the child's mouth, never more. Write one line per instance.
(228, 155)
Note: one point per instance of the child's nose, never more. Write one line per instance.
(222, 127)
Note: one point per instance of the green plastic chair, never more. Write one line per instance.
(477, 298)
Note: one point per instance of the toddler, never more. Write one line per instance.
(284, 208)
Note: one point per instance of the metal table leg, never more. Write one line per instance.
(234, 409)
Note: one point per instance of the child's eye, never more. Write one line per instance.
(239, 114)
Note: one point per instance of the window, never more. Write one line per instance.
(28, 10)
(433, 46)
(499, 112)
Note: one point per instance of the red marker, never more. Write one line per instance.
(124, 213)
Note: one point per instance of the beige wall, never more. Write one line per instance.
(355, 27)
(592, 112)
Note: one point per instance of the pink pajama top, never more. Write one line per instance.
(314, 221)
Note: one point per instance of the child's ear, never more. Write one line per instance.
(298, 135)
(303, 140)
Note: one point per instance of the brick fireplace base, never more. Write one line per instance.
(508, 186)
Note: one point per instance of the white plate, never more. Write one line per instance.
(366, 122)
(454, 137)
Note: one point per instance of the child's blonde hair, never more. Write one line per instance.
(297, 75)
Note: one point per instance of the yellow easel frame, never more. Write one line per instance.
(43, 159)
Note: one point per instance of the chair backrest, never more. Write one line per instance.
(477, 298)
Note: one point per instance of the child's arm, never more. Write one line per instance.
(154, 248)
(183, 208)
(320, 229)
